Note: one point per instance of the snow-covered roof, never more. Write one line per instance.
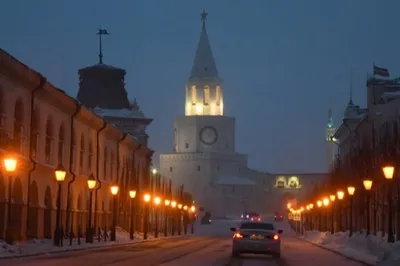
(233, 180)
(119, 112)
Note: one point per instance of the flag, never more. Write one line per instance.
(380, 71)
(103, 32)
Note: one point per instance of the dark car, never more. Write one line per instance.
(278, 217)
(251, 216)
(206, 219)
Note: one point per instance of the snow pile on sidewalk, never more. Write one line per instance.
(36, 247)
(371, 249)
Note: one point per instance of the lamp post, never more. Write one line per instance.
(91, 182)
(319, 205)
(193, 210)
(147, 198)
(157, 202)
(114, 193)
(180, 218)
(368, 185)
(350, 191)
(10, 165)
(60, 174)
(340, 196)
(388, 172)
(173, 206)
(166, 204)
(132, 196)
(332, 199)
(326, 202)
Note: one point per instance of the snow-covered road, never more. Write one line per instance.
(211, 246)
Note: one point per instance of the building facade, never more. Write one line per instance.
(48, 128)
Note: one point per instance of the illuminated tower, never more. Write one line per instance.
(330, 145)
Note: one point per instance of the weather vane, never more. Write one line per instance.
(100, 33)
(204, 16)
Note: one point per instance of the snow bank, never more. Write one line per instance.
(37, 247)
(370, 249)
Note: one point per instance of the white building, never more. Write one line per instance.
(204, 157)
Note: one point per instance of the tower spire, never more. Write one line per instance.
(204, 66)
(100, 33)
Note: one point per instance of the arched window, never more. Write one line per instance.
(18, 124)
(61, 141)
(105, 162)
(194, 95)
(74, 139)
(206, 95)
(81, 153)
(111, 164)
(48, 146)
(90, 157)
(35, 132)
(218, 96)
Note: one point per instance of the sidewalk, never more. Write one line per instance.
(46, 246)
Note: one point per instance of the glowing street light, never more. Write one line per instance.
(179, 206)
(185, 208)
(147, 197)
(193, 208)
(154, 171)
(173, 204)
(340, 194)
(367, 184)
(388, 171)
(167, 202)
(114, 190)
(319, 203)
(351, 190)
(92, 182)
(157, 200)
(332, 197)
(132, 193)
(10, 164)
(59, 173)
(325, 202)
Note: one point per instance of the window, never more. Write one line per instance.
(61, 140)
(257, 226)
(170, 169)
(198, 168)
(81, 153)
(194, 95)
(206, 95)
(218, 96)
(73, 140)
(18, 124)
(90, 157)
(111, 164)
(187, 145)
(105, 162)
(49, 141)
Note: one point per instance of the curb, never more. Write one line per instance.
(336, 252)
(51, 252)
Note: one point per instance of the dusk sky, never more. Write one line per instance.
(283, 62)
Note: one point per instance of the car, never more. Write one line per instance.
(252, 216)
(278, 217)
(256, 238)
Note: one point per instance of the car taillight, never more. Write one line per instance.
(237, 235)
(259, 218)
(251, 219)
(276, 237)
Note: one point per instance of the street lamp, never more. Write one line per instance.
(193, 209)
(185, 208)
(332, 198)
(60, 174)
(179, 206)
(132, 196)
(146, 198)
(319, 203)
(368, 185)
(92, 182)
(10, 165)
(388, 172)
(180, 218)
(173, 204)
(325, 202)
(114, 191)
(350, 191)
(173, 222)
(289, 205)
(166, 204)
(154, 171)
(157, 201)
(340, 196)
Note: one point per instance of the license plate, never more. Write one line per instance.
(254, 237)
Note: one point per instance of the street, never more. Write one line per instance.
(211, 246)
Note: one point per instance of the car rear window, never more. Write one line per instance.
(257, 226)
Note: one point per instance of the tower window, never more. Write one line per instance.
(187, 145)
(170, 169)
(206, 95)
(194, 95)
(218, 95)
(198, 168)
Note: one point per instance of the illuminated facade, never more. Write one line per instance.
(46, 127)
